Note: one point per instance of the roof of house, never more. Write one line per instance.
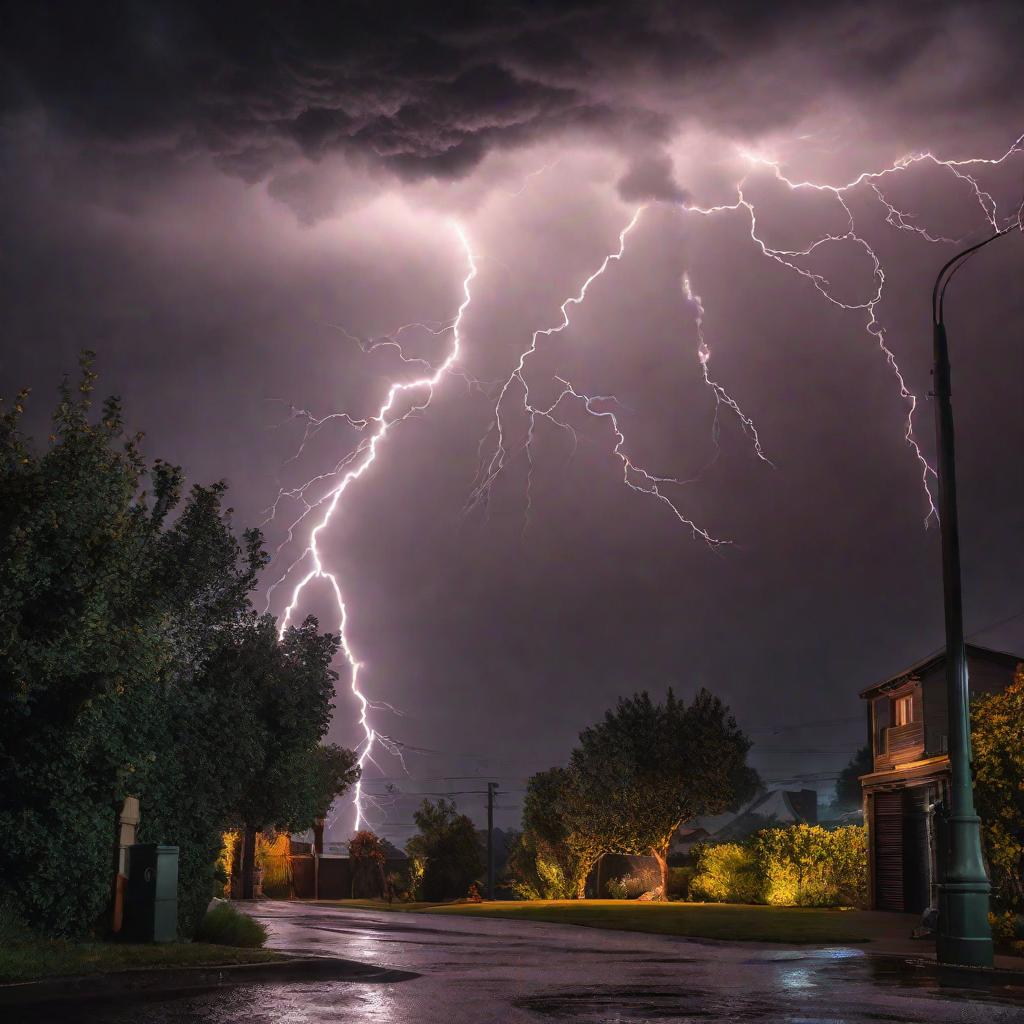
(973, 651)
(685, 832)
(777, 806)
(855, 816)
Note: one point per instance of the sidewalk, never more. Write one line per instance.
(890, 936)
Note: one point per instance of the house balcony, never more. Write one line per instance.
(903, 743)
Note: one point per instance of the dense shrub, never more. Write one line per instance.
(809, 866)
(13, 928)
(803, 865)
(547, 881)
(447, 847)
(631, 887)
(724, 873)
(226, 926)
(1008, 931)
(272, 855)
(366, 859)
(416, 870)
(617, 888)
(559, 844)
(997, 723)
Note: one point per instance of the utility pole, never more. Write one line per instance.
(964, 936)
(491, 787)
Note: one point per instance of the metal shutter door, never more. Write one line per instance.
(889, 851)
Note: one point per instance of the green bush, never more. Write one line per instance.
(631, 887)
(809, 866)
(226, 926)
(13, 928)
(448, 848)
(997, 720)
(802, 865)
(277, 879)
(724, 873)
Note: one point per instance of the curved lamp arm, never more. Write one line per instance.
(954, 264)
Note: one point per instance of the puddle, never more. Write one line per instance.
(1001, 987)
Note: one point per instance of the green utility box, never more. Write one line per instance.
(151, 895)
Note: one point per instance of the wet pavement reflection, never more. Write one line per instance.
(473, 970)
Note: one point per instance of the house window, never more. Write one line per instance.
(903, 710)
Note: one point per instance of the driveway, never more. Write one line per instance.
(481, 971)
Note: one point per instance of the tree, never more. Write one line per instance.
(290, 704)
(83, 646)
(366, 857)
(333, 770)
(848, 788)
(203, 742)
(559, 830)
(233, 755)
(447, 850)
(647, 768)
(997, 725)
(132, 663)
(292, 701)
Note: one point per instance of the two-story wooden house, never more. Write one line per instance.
(908, 723)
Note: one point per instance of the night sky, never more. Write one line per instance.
(230, 203)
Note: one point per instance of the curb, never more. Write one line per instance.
(1013, 975)
(145, 981)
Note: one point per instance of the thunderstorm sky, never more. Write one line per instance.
(231, 206)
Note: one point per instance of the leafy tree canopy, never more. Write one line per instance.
(131, 663)
(848, 788)
(997, 724)
(647, 768)
(447, 848)
(561, 830)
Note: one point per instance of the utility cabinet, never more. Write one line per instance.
(151, 895)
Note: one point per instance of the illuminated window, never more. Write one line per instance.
(903, 710)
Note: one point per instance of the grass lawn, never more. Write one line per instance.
(395, 907)
(29, 961)
(729, 921)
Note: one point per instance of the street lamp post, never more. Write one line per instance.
(964, 936)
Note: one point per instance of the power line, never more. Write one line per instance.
(996, 625)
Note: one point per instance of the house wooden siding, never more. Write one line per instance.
(911, 773)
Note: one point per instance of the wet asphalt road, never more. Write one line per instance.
(479, 971)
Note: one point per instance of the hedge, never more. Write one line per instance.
(801, 865)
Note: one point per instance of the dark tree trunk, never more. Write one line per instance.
(248, 845)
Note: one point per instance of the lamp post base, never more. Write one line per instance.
(964, 935)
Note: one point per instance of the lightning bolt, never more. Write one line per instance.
(351, 468)
(514, 392)
(896, 218)
(722, 397)
(599, 407)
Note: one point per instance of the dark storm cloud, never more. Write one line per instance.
(216, 308)
(652, 177)
(428, 89)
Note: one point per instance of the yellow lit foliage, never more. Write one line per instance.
(997, 723)
(222, 873)
(272, 854)
(802, 865)
(724, 873)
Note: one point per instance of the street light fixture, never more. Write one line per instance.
(964, 936)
